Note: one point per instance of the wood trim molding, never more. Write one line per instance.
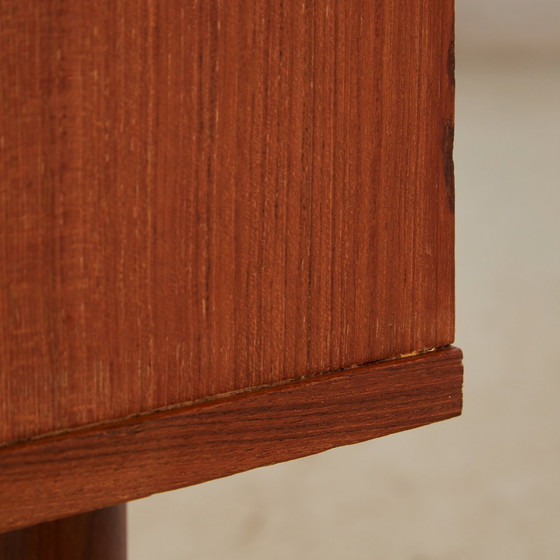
(103, 465)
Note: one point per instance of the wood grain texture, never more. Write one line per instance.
(205, 196)
(97, 535)
(108, 464)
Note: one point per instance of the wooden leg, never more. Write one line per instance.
(97, 535)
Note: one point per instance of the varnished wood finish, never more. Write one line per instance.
(97, 535)
(108, 464)
(206, 196)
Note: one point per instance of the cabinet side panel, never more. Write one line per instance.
(205, 196)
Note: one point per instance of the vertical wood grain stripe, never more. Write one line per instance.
(107, 464)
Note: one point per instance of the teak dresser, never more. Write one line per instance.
(226, 240)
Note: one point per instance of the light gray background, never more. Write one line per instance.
(508, 25)
(485, 486)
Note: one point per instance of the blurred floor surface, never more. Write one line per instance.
(485, 486)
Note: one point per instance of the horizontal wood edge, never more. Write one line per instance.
(107, 464)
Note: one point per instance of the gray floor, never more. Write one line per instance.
(485, 486)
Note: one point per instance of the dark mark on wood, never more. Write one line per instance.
(451, 62)
(448, 165)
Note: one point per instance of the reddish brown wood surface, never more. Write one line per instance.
(113, 463)
(97, 535)
(205, 196)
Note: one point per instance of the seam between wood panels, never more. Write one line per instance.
(218, 397)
